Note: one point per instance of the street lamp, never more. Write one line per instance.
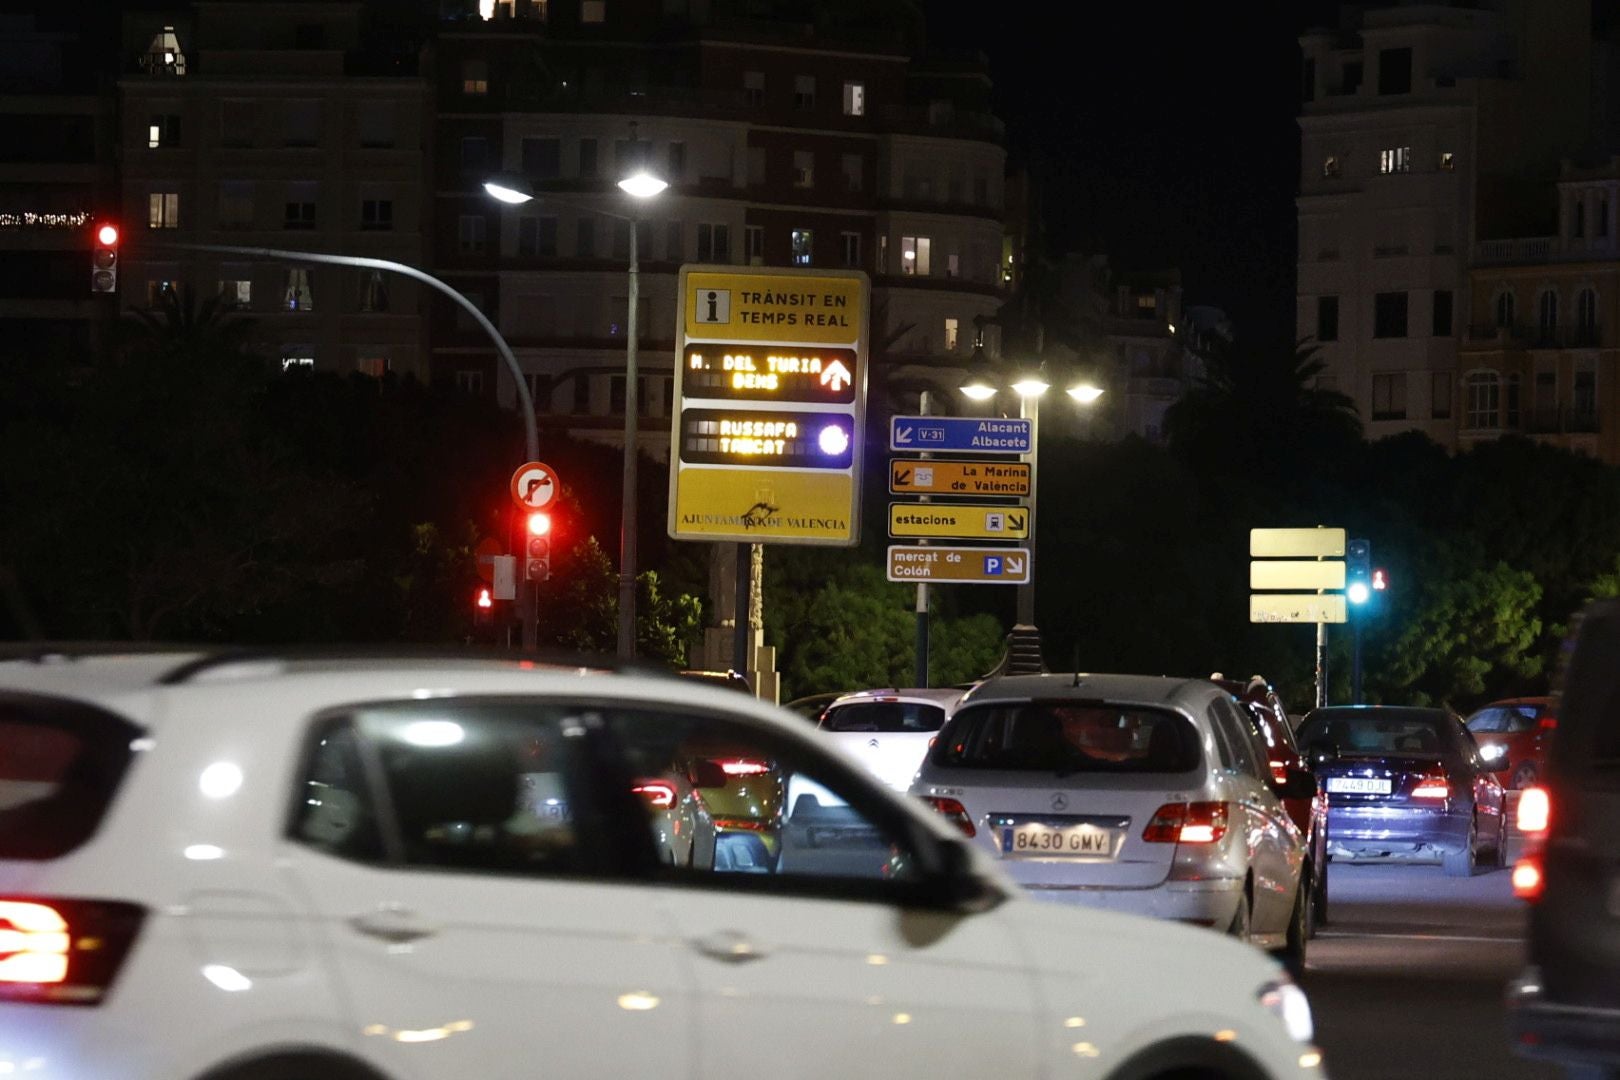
(640, 185)
(1030, 381)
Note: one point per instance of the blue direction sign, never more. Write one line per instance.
(961, 433)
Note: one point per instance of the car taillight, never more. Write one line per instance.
(1535, 810)
(1527, 879)
(659, 795)
(1279, 772)
(954, 812)
(1187, 823)
(742, 824)
(744, 767)
(1432, 787)
(63, 951)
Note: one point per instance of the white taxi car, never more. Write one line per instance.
(221, 867)
(889, 731)
(1135, 793)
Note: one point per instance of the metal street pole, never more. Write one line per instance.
(1355, 663)
(1321, 664)
(1029, 408)
(920, 672)
(527, 613)
(627, 515)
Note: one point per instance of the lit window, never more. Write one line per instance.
(236, 294)
(950, 335)
(804, 91)
(298, 296)
(474, 77)
(593, 11)
(163, 131)
(851, 245)
(376, 215)
(854, 99)
(160, 289)
(804, 169)
(163, 55)
(163, 210)
(372, 364)
(1330, 166)
(470, 234)
(294, 357)
(1397, 160)
(1448, 161)
(803, 246)
(754, 241)
(915, 255)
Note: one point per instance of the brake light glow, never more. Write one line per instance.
(954, 812)
(744, 767)
(1187, 823)
(741, 824)
(1279, 772)
(33, 943)
(1432, 787)
(1527, 880)
(659, 795)
(1535, 810)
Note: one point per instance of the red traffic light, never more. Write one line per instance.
(1380, 580)
(539, 523)
(107, 235)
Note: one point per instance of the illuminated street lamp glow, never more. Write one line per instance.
(506, 193)
(1085, 393)
(1031, 386)
(833, 440)
(978, 390)
(642, 185)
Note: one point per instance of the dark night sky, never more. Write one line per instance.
(1163, 133)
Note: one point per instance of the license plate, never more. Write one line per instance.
(1358, 785)
(1087, 840)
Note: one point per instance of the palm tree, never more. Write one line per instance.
(182, 330)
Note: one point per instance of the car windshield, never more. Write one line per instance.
(1379, 731)
(879, 716)
(1064, 737)
(59, 766)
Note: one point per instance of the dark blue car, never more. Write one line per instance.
(1406, 783)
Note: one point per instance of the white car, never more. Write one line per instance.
(221, 868)
(889, 731)
(1134, 793)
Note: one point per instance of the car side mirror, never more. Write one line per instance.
(704, 773)
(1297, 784)
(1321, 753)
(1496, 765)
(957, 885)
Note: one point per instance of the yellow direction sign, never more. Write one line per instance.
(965, 521)
(1297, 574)
(1300, 608)
(908, 476)
(770, 405)
(960, 565)
(1319, 542)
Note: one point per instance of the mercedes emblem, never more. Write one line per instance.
(1060, 801)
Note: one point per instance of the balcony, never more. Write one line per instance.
(947, 122)
(1528, 336)
(1522, 249)
(1562, 420)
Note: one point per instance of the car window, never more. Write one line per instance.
(336, 810)
(732, 805)
(1488, 721)
(1243, 738)
(884, 716)
(1068, 737)
(60, 764)
(1521, 718)
(1381, 731)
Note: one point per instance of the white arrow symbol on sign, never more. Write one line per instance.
(902, 435)
(835, 373)
(1015, 565)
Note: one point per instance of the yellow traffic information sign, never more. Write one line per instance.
(964, 521)
(1296, 574)
(770, 400)
(959, 565)
(1297, 608)
(1296, 543)
(909, 476)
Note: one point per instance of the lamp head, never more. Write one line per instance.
(642, 184)
(512, 190)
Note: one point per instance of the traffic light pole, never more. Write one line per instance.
(920, 674)
(1355, 666)
(627, 511)
(528, 613)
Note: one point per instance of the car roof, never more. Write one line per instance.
(927, 695)
(1140, 689)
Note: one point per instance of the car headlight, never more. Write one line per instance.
(1492, 751)
(1287, 1003)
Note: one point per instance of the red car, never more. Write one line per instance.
(1262, 704)
(1517, 729)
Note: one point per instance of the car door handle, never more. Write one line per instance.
(395, 925)
(731, 946)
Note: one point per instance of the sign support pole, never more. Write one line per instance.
(1321, 665)
(920, 673)
(745, 578)
(1355, 663)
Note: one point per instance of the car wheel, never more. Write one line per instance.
(1524, 775)
(1292, 954)
(1499, 854)
(1240, 919)
(1461, 863)
(1319, 900)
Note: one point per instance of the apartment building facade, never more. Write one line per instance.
(786, 142)
(1426, 129)
(277, 124)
